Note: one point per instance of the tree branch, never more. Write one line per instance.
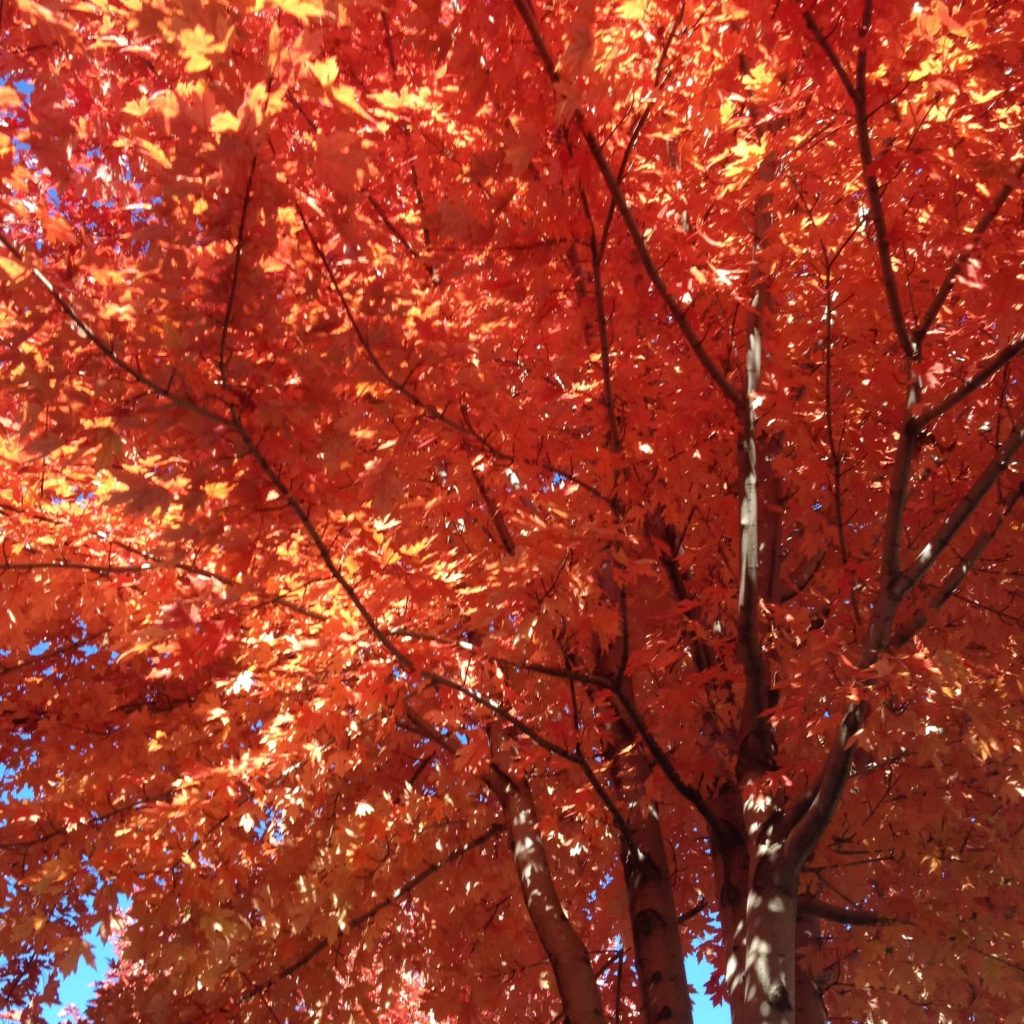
(87, 332)
(574, 974)
(942, 293)
(495, 513)
(810, 906)
(956, 519)
(687, 915)
(222, 356)
(757, 741)
(187, 568)
(382, 636)
(401, 387)
(504, 714)
(963, 567)
(985, 372)
(539, 668)
(634, 722)
(833, 448)
(809, 818)
(804, 826)
(857, 91)
(833, 58)
(675, 309)
(362, 919)
(614, 436)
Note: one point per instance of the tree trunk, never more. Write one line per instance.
(654, 921)
(731, 865)
(769, 966)
(574, 975)
(761, 972)
(810, 1007)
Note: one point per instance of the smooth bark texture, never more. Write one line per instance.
(574, 974)
(761, 918)
(769, 970)
(810, 1007)
(653, 917)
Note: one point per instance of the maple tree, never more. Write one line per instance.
(497, 496)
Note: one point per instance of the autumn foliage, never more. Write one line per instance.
(497, 496)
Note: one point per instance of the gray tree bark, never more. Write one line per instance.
(574, 974)
(654, 921)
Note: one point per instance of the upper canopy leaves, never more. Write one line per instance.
(373, 375)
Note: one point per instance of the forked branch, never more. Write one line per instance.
(614, 187)
(984, 373)
(86, 331)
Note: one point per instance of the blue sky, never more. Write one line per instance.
(77, 988)
(697, 974)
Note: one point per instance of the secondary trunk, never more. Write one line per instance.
(653, 917)
(654, 921)
(810, 1007)
(574, 975)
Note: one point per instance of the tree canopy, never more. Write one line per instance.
(497, 496)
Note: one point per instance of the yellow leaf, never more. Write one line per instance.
(301, 9)
(196, 44)
(411, 550)
(136, 108)
(345, 96)
(984, 97)
(224, 121)
(325, 71)
(9, 97)
(12, 268)
(745, 155)
(929, 66)
(217, 490)
(154, 152)
(631, 10)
